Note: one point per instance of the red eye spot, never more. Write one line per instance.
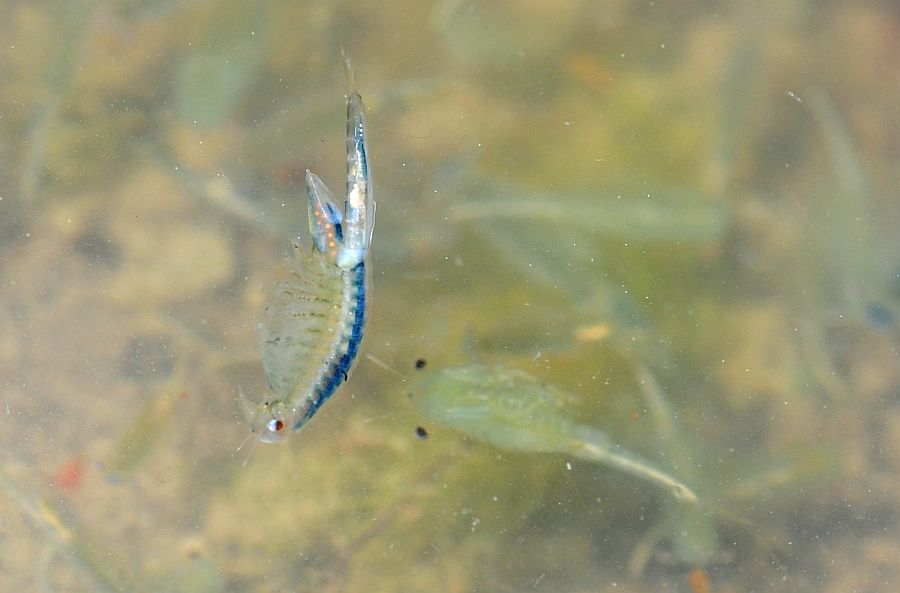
(278, 425)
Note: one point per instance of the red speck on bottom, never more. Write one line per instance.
(68, 476)
(698, 581)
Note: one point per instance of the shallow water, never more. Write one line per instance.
(680, 215)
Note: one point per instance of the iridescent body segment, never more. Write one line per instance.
(315, 319)
(512, 410)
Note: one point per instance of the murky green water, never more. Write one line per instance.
(667, 226)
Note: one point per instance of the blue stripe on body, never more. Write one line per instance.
(361, 149)
(338, 370)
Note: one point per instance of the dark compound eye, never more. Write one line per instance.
(421, 432)
(420, 363)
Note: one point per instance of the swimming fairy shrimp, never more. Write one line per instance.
(315, 319)
(513, 410)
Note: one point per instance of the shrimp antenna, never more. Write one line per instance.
(383, 365)
(249, 451)
(348, 70)
(244, 442)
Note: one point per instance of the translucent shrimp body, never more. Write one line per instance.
(514, 411)
(316, 316)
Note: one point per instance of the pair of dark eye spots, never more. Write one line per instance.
(421, 432)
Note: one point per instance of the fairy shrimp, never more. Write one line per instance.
(315, 319)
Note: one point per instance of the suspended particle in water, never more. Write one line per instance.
(422, 433)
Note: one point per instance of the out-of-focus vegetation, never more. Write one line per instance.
(682, 214)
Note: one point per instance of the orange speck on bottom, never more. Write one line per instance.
(698, 581)
(593, 333)
(68, 476)
(590, 71)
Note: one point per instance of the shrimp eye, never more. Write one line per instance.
(275, 425)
